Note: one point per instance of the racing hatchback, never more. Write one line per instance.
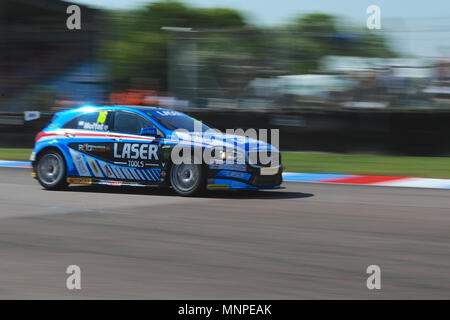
(142, 146)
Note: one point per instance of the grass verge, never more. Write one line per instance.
(22, 154)
(432, 167)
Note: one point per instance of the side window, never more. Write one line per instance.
(98, 121)
(129, 122)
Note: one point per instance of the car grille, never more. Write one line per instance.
(267, 181)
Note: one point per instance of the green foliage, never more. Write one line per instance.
(138, 47)
(216, 18)
(316, 23)
(317, 35)
(372, 45)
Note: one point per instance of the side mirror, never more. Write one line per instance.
(149, 131)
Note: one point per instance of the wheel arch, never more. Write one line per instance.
(47, 148)
(41, 151)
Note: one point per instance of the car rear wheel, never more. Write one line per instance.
(187, 179)
(51, 170)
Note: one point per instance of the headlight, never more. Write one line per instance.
(229, 156)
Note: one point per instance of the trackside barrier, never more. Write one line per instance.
(421, 132)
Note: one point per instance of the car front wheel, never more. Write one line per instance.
(187, 179)
(51, 170)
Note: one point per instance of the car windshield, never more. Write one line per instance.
(174, 120)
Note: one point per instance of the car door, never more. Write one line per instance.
(89, 145)
(138, 156)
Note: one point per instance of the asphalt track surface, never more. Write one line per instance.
(307, 241)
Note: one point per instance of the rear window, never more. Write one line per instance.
(97, 121)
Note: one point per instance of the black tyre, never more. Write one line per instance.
(187, 179)
(51, 170)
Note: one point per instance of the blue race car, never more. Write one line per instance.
(138, 146)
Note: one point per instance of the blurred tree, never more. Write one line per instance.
(138, 47)
(230, 50)
(372, 45)
(317, 25)
(317, 35)
(216, 18)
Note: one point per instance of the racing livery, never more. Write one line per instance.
(123, 145)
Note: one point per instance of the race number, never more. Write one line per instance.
(102, 116)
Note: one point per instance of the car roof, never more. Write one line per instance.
(65, 115)
(122, 107)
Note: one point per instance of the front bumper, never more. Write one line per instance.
(234, 176)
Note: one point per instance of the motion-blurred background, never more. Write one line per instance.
(315, 71)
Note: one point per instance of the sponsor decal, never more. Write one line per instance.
(102, 116)
(138, 164)
(79, 180)
(165, 113)
(96, 126)
(217, 186)
(234, 174)
(85, 147)
(80, 165)
(229, 166)
(92, 126)
(133, 155)
(139, 151)
(115, 183)
(94, 167)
